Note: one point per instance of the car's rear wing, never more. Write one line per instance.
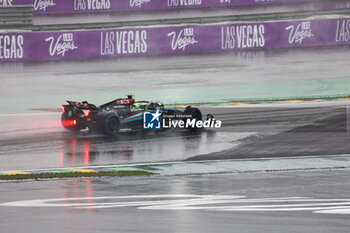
(82, 105)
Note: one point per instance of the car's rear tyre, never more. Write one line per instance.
(195, 113)
(108, 123)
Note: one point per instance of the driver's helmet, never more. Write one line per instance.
(155, 105)
(137, 105)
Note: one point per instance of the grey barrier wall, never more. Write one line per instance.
(94, 6)
(16, 16)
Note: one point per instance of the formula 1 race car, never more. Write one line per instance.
(118, 114)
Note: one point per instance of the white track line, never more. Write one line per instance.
(186, 162)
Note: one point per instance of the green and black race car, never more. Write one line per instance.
(124, 113)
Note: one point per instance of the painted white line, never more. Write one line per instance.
(183, 202)
(208, 162)
(338, 210)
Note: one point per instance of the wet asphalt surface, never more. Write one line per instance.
(110, 205)
(124, 75)
(247, 132)
(36, 140)
(56, 147)
(306, 131)
(248, 202)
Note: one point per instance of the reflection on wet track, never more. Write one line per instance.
(33, 139)
(26, 146)
(131, 147)
(37, 141)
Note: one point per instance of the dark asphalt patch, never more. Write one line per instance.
(325, 135)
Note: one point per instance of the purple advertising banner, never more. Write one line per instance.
(42, 46)
(91, 6)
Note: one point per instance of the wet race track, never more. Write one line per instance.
(246, 133)
(64, 148)
(31, 137)
(258, 202)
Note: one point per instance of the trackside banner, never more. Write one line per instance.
(190, 39)
(90, 6)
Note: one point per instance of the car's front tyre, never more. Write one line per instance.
(194, 113)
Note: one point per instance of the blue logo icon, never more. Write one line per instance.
(151, 120)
